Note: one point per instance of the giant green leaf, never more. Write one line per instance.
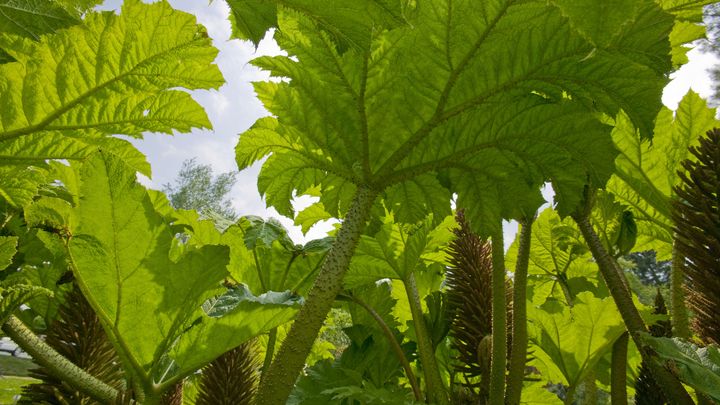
(647, 171)
(442, 105)
(71, 91)
(699, 367)
(119, 253)
(572, 340)
(203, 329)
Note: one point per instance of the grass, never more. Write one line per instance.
(13, 376)
(13, 366)
(10, 387)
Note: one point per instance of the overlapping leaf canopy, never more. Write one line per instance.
(646, 171)
(487, 101)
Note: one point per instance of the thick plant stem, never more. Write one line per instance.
(590, 387)
(518, 351)
(618, 371)
(395, 345)
(612, 274)
(56, 364)
(499, 320)
(272, 337)
(678, 309)
(434, 385)
(280, 377)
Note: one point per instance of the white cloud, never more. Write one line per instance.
(693, 75)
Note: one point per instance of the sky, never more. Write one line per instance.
(234, 108)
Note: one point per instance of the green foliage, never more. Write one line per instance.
(197, 189)
(14, 295)
(329, 383)
(688, 25)
(647, 171)
(569, 342)
(150, 304)
(698, 367)
(33, 18)
(350, 25)
(560, 265)
(310, 216)
(367, 371)
(8, 248)
(397, 250)
(369, 352)
(276, 263)
(601, 32)
(363, 108)
(71, 91)
(614, 223)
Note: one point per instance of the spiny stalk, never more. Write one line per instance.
(697, 225)
(469, 281)
(78, 336)
(231, 379)
(647, 391)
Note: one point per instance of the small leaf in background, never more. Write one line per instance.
(226, 303)
(265, 232)
(8, 248)
(311, 215)
(14, 295)
(572, 340)
(627, 235)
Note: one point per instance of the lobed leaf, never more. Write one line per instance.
(574, 339)
(443, 97)
(70, 92)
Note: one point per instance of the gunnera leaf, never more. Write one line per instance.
(231, 379)
(697, 224)
(77, 335)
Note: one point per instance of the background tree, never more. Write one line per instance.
(711, 44)
(648, 269)
(196, 188)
